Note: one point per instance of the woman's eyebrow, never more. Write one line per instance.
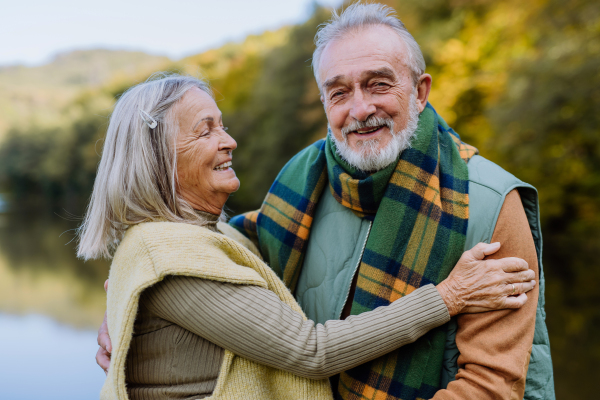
(211, 119)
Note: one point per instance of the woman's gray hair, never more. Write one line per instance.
(357, 16)
(137, 176)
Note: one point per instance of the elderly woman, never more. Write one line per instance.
(193, 311)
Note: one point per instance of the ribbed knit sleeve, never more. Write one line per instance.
(252, 322)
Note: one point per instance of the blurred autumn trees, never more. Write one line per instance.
(518, 79)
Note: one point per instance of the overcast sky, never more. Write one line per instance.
(32, 31)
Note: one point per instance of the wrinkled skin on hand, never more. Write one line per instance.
(474, 285)
(477, 285)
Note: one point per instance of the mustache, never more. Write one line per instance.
(371, 122)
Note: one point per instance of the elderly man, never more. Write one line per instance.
(387, 204)
(394, 187)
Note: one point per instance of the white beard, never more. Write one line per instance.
(367, 156)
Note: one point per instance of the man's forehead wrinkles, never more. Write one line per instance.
(384, 72)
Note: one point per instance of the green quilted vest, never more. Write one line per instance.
(338, 237)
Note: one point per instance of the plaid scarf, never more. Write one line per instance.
(419, 208)
(359, 191)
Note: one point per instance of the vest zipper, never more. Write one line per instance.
(356, 269)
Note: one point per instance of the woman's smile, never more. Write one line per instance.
(224, 166)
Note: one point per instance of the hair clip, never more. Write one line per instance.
(147, 118)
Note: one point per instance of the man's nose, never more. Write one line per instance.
(362, 106)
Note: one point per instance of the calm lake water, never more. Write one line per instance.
(43, 359)
(51, 305)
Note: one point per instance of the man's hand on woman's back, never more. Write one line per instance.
(103, 354)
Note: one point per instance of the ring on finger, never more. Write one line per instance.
(514, 289)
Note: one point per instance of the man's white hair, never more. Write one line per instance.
(358, 16)
(137, 176)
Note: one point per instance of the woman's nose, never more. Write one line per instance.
(227, 142)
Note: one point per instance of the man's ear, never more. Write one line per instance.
(322, 99)
(423, 89)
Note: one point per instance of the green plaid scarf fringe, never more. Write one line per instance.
(419, 209)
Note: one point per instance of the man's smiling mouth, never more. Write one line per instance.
(371, 126)
(224, 166)
(368, 130)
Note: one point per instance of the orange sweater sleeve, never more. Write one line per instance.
(495, 346)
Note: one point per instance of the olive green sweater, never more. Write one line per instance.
(184, 323)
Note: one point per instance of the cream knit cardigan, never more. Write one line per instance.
(153, 250)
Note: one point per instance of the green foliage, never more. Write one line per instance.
(53, 166)
(520, 80)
